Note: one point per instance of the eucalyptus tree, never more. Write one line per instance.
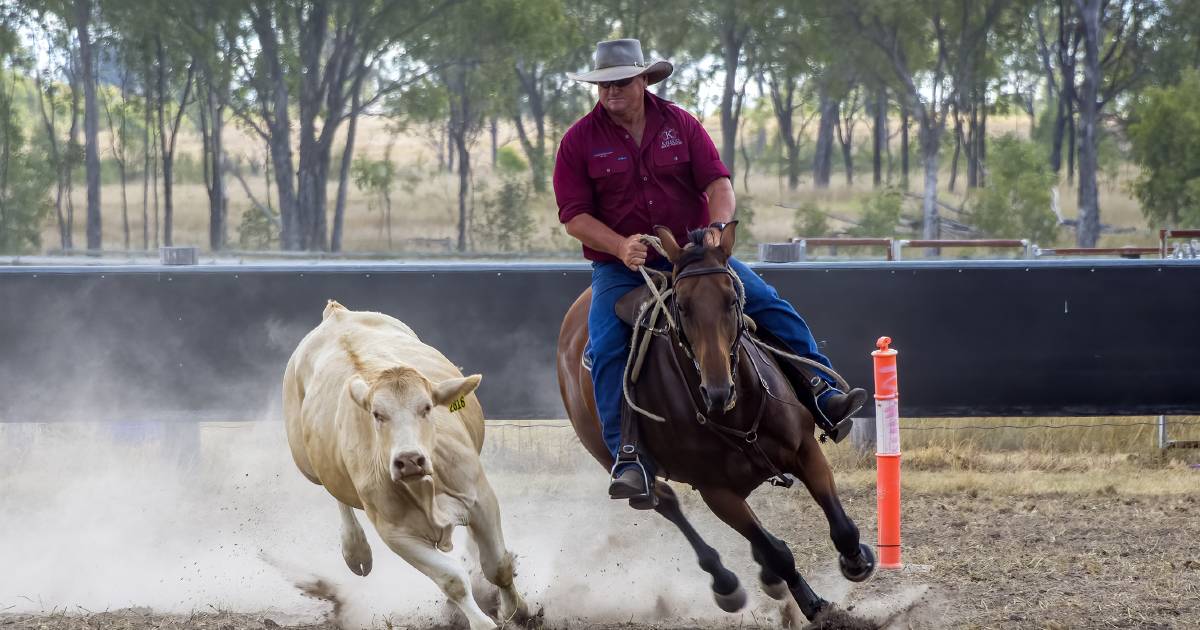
(24, 178)
(928, 45)
(788, 43)
(1117, 37)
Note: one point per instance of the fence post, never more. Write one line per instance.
(887, 454)
(862, 436)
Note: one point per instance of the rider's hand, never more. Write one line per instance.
(632, 252)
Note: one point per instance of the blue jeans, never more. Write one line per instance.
(609, 336)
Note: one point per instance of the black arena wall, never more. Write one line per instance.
(1038, 338)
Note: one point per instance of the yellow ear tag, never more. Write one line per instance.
(458, 404)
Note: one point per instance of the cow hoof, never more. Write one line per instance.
(731, 602)
(859, 568)
(357, 555)
(777, 591)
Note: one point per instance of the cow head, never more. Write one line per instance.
(400, 401)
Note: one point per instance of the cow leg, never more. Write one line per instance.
(770, 552)
(355, 549)
(726, 589)
(445, 571)
(494, 558)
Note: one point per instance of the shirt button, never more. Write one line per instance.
(652, 203)
(644, 178)
(676, 158)
(608, 170)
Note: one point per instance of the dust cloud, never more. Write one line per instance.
(182, 517)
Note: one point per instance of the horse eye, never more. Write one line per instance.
(425, 411)
(378, 416)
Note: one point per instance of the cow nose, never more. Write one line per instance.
(410, 464)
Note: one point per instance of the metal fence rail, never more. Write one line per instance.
(994, 338)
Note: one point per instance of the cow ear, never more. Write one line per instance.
(665, 235)
(359, 392)
(452, 389)
(728, 233)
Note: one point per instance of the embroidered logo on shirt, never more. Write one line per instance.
(602, 154)
(670, 138)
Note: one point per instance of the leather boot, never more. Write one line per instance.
(835, 408)
(628, 484)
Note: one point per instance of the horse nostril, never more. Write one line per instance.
(704, 394)
(420, 462)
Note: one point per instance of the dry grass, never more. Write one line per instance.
(431, 211)
(1089, 459)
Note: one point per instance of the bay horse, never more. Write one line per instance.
(732, 421)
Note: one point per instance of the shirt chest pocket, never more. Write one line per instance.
(673, 160)
(610, 176)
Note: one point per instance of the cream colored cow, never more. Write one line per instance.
(389, 426)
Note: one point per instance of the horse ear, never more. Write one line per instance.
(728, 234)
(665, 235)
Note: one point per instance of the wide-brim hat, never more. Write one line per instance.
(621, 59)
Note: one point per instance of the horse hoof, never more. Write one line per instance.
(732, 602)
(777, 591)
(860, 568)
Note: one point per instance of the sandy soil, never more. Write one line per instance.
(227, 539)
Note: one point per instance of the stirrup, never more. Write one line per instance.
(829, 431)
(629, 455)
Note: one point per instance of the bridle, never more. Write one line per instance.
(680, 337)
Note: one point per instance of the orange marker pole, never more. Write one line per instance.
(887, 453)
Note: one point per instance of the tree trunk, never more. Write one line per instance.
(846, 140)
(930, 143)
(823, 157)
(464, 187)
(1071, 145)
(278, 125)
(91, 122)
(339, 212)
(904, 148)
(49, 122)
(879, 137)
(494, 129)
(121, 160)
(958, 142)
(1089, 207)
(146, 122)
(972, 144)
(217, 201)
(981, 147)
(731, 45)
(1060, 128)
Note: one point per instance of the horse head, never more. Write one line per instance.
(707, 305)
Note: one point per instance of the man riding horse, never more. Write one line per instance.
(637, 161)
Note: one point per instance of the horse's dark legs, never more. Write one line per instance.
(856, 560)
(726, 589)
(771, 553)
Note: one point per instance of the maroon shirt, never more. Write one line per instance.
(601, 172)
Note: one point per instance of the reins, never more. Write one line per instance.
(660, 306)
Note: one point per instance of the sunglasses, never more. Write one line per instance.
(604, 85)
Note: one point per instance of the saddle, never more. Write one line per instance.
(805, 380)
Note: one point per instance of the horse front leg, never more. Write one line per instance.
(727, 591)
(855, 559)
(771, 553)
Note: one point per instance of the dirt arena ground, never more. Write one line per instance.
(212, 528)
